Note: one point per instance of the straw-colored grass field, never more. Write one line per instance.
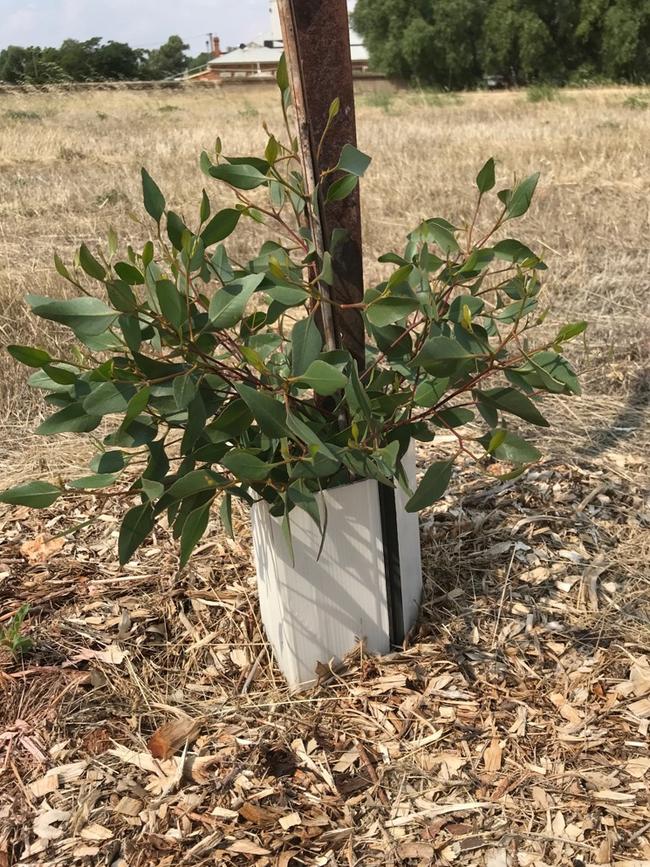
(512, 730)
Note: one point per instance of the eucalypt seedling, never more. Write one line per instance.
(211, 375)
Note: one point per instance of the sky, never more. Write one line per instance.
(141, 23)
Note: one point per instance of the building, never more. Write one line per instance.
(259, 60)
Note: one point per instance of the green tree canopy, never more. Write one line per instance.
(456, 43)
(91, 60)
(168, 60)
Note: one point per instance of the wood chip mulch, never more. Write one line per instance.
(147, 725)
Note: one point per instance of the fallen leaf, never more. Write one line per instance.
(43, 824)
(95, 833)
(171, 736)
(260, 816)
(41, 548)
(113, 655)
(492, 756)
(246, 847)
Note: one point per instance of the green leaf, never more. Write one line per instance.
(184, 390)
(225, 514)
(521, 197)
(453, 417)
(495, 440)
(323, 378)
(306, 345)
(290, 296)
(433, 485)
(509, 447)
(108, 462)
(356, 395)
(86, 316)
(485, 179)
(129, 273)
(549, 371)
(439, 355)
(175, 229)
(430, 391)
(61, 269)
(241, 176)
(567, 332)
(154, 201)
(204, 210)
(108, 398)
(269, 413)
(282, 74)
(246, 466)
(514, 402)
(194, 527)
(37, 495)
(342, 188)
(90, 265)
(220, 226)
(121, 296)
(29, 355)
(439, 232)
(227, 305)
(99, 480)
(511, 250)
(71, 419)
(151, 489)
(353, 161)
(271, 150)
(234, 419)
(193, 483)
(305, 434)
(136, 526)
(387, 311)
(172, 304)
(137, 404)
(61, 375)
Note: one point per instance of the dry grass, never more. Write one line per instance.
(514, 695)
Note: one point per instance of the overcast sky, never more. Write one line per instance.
(141, 23)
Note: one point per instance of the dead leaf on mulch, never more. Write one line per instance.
(171, 736)
(42, 547)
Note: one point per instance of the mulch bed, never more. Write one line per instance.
(147, 724)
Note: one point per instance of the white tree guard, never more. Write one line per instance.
(317, 610)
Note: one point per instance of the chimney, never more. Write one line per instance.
(216, 47)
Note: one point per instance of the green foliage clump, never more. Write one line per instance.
(11, 635)
(457, 43)
(541, 93)
(224, 376)
(92, 60)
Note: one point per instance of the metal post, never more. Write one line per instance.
(317, 46)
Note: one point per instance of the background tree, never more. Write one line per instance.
(168, 60)
(456, 43)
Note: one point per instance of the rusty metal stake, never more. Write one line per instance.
(317, 47)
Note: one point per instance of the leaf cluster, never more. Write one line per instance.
(214, 378)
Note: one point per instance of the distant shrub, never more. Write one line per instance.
(168, 108)
(541, 93)
(248, 110)
(637, 101)
(437, 98)
(19, 114)
(380, 99)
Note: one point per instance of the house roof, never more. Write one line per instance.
(254, 53)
